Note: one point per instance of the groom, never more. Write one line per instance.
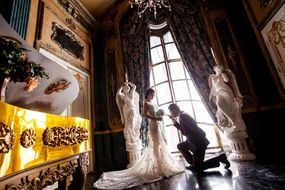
(194, 148)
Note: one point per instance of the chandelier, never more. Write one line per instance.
(143, 5)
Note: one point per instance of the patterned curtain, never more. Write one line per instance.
(189, 33)
(136, 57)
(135, 48)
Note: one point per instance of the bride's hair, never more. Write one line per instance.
(148, 92)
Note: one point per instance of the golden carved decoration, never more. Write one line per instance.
(7, 138)
(70, 23)
(277, 32)
(57, 136)
(79, 80)
(57, 86)
(45, 177)
(28, 138)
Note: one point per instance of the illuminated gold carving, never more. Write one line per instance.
(7, 138)
(18, 120)
(45, 177)
(28, 138)
(277, 32)
(57, 136)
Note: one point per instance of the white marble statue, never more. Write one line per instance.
(225, 91)
(128, 103)
(228, 99)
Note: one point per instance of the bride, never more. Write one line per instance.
(155, 163)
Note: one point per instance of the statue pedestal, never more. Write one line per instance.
(133, 158)
(239, 146)
(134, 152)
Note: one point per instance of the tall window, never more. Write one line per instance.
(172, 84)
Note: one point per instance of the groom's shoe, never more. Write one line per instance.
(224, 160)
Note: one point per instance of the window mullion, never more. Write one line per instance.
(168, 70)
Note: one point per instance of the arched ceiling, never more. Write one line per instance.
(99, 8)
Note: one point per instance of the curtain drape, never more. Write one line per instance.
(135, 50)
(136, 58)
(191, 38)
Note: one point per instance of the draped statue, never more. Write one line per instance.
(228, 99)
(128, 103)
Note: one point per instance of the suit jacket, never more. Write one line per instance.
(189, 128)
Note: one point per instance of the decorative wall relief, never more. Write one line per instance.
(80, 80)
(28, 138)
(7, 138)
(57, 86)
(274, 36)
(68, 7)
(67, 41)
(58, 136)
(70, 23)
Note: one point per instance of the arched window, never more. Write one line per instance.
(173, 84)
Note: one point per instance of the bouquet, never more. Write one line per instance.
(160, 113)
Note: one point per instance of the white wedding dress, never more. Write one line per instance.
(155, 163)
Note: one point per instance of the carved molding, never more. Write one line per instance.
(28, 138)
(67, 41)
(7, 138)
(70, 23)
(70, 59)
(45, 177)
(78, 13)
(58, 136)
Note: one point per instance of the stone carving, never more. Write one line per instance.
(28, 138)
(128, 103)
(58, 136)
(7, 138)
(229, 102)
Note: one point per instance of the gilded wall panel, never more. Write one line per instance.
(64, 37)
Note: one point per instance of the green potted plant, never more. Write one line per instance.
(15, 66)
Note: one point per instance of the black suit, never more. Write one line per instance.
(193, 149)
